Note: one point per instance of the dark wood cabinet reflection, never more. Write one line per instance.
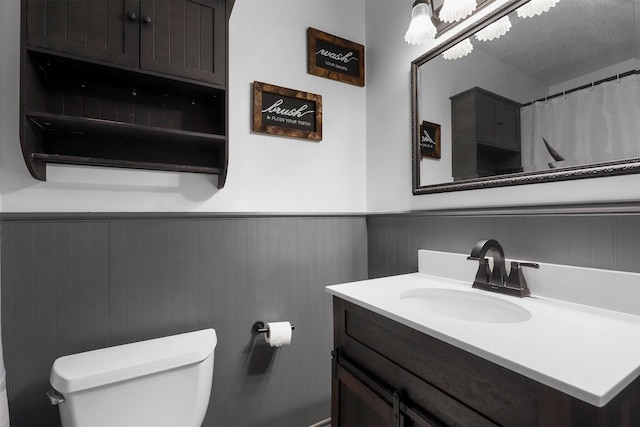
(485, 134)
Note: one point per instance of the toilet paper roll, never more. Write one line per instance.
(278, 334)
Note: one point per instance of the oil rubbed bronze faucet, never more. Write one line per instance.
(496, 279)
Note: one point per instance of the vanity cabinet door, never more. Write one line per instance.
(184, 38)
(378, 355)
(104, 30)
(359, 400)
(356, 405)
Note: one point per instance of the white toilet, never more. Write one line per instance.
(159, 382)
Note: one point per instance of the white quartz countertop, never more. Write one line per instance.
(587, 352)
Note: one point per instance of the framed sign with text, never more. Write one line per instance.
(430, 140)
(286, 112)
(335, 58)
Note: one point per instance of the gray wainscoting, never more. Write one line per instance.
(608, 241)
(74, 283)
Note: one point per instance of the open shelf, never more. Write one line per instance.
(88, 126)
(82, 113)
(58, 65)
(66, 139)
(92, 161)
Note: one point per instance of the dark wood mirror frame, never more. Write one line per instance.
(594, 170)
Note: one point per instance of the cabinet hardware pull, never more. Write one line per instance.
(132, 16)
(146, 20)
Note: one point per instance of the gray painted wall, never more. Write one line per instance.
(76, 282)
(608, 241)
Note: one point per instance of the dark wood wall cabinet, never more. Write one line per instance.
(125, 83)
(387, 374)
(485, 134)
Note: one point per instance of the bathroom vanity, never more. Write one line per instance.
(540, 361)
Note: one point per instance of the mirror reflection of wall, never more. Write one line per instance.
(480, 70)
(546, 57)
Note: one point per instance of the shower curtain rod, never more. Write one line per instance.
(608, 79)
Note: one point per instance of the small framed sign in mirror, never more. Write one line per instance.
(335, 58)
(286, 112)
(430, 140)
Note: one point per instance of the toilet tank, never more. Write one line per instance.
(159, 382)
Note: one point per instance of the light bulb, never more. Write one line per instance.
(459, 50)
(535, 7)
(421, 28)
(494, 30)
(455, 10)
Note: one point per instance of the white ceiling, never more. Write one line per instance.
(572, 39)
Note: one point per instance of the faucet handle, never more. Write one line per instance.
(526, 264)
(516, 279)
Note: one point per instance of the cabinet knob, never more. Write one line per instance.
(132, 16)
(146, 20)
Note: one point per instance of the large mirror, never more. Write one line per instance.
(556, 97)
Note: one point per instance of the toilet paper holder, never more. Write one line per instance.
(260, 327)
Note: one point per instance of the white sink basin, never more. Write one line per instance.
(465, 305)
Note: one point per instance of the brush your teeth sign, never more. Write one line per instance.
(286, 112)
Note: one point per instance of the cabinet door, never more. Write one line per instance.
(498, 122)
(487, 120)
(354, 404)
(508, 129)
(185, 38)
(105, 30)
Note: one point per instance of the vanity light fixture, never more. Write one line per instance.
(494, 30)
(421, 27)
(455, 10)
(535, 7)
(459, 50)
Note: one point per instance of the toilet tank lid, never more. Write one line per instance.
(109, 365)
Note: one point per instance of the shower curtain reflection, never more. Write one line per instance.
(587, 126)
